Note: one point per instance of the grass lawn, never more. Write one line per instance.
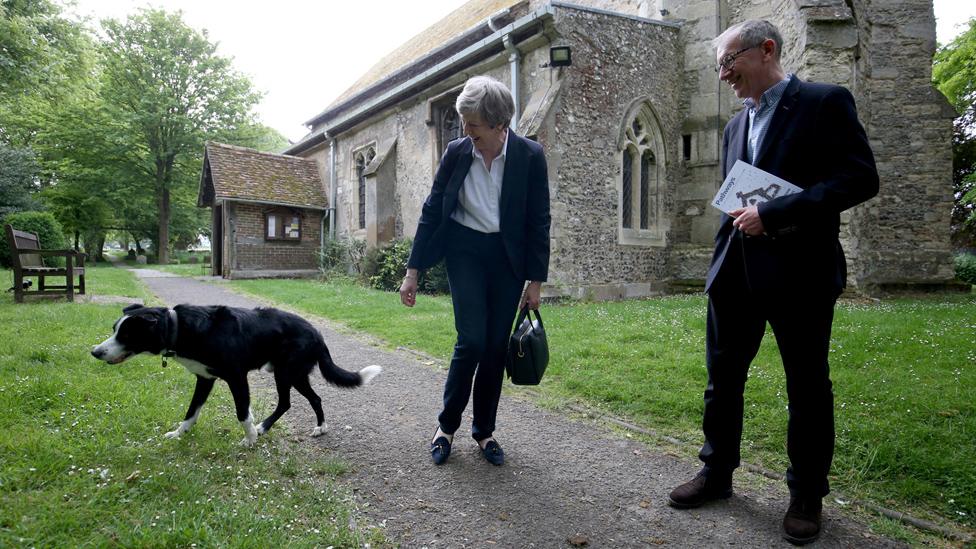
(84, 462)
(904, 375)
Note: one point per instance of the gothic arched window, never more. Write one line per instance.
(627, 191)
(642, 180)
(447, 123)
(649, 188)
(449, 128)
(362, 159)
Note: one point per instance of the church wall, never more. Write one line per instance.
(902, 236)
(704, 111)
(612, 69)
(880, 50)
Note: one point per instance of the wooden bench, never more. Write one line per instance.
(25, 255)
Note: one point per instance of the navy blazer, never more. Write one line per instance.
(816, 142)
(524, 209)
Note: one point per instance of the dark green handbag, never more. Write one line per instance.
(528, 350)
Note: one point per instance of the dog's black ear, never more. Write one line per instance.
(133, 307)
(148, 319)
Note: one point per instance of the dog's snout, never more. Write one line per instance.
(97, 353)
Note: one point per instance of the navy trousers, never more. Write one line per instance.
(801, 323)
(485, 293)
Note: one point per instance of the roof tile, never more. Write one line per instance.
(248, 174)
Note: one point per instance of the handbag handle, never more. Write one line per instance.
(523, 314)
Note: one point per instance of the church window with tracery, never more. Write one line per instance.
(641, 180)
(362, 159)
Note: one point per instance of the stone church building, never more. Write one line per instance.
(632, 131)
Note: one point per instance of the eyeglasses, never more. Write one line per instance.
(728, 61)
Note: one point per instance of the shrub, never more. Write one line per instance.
(368, 264)
(44, 225)
(337, 255)
(357, 254)
(966, 268)
(383, 268)
(434, 280)
(391, 263)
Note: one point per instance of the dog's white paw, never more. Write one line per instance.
(318, 431)
(260, 429)
(250, 433)
(368, 373)
(173, 434)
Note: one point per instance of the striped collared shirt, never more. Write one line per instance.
(761, 115)
(479, 199)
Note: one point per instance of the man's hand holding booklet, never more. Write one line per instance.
(747, 185)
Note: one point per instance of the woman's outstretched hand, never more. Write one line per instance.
(408, 288)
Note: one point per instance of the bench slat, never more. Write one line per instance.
(31, 265)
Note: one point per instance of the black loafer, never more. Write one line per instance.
(493, 453)
(440, 449)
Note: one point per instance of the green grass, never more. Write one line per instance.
(100, 279)
(105, 280)
(84, 462)
(903, 372)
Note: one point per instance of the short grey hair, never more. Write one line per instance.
(487, 97)
(750, 34)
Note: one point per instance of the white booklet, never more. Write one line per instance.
(747, 185)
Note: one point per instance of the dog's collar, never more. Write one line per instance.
(171, 340)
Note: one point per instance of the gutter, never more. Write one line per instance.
(459, 61)
(514, 59)
(333, 187)
(226, 199)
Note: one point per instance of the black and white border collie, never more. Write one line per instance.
(226, 343)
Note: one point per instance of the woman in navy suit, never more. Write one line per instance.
(487, 215)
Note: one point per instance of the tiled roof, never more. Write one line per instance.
(246, 174)
(466, 17)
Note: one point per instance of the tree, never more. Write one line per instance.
(167, 90)
(255, 136)
(954, 74)
(18, 179)
(78, 210)
(40, 51)
(46, 65)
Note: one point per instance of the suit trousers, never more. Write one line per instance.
(801, 321)
(485, 293)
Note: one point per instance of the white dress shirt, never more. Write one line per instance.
(479, 199)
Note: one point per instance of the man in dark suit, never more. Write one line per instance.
(488, 216)
(779, 262)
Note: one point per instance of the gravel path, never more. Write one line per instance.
(567, 481)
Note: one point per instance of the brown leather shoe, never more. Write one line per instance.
(801, 525)
(698, 491)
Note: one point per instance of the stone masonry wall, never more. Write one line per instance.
(882, 52)
(617, 63)
(903, 235)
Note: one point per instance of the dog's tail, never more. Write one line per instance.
(344, 378)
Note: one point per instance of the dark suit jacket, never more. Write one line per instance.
(524, 208)
(815, 142)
